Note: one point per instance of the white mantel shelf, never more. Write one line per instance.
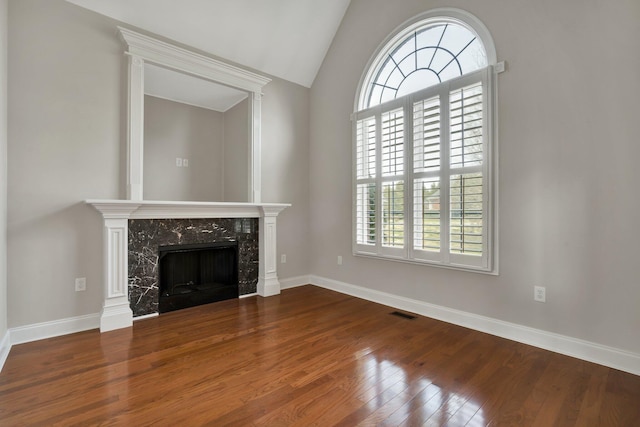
(152, 209)
(116, 312)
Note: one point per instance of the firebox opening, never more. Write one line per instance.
(197, 274)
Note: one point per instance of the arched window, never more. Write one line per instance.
(424, 186)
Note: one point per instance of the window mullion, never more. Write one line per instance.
(378, 181)
(408, 177)
(445, 174)
(487, 132)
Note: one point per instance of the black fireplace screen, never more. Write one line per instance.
(197, 274)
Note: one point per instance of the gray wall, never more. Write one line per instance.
(171, 130)
(66, 98)
(67, 103)
(4, 8)
(285, 170)
(236, 153)
(568, 206)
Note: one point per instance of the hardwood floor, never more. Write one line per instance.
(307, 357)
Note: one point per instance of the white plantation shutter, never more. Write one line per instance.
(421, 175)
(393, 143)
(366, 152)
(436, 191)
(426, 135)
(466, 125)
(366, 214)
(467, 141)
(392, 198)
(426, 214)
(427, 155)
(467, 222)
(366, 187)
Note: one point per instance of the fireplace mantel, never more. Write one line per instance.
(116, 312)
(148, 209)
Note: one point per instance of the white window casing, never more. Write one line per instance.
(424, 169)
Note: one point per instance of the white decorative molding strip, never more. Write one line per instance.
(160, 52)
(268, 283)
(56, 328)
(170, 209)
(581, 349)
(5, 348)
(141, 48)
(135, 129)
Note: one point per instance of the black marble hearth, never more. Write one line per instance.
(147, 235)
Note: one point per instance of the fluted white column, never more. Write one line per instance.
(268, 283)
(116, 312)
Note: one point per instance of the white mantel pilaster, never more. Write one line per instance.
(135, 128)
(116, 312)
(268, 283)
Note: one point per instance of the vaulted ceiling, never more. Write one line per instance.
(284, 38)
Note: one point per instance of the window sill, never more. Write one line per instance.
(467, 269)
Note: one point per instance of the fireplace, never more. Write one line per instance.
(135, 229)
(197, 274)
(151, 241)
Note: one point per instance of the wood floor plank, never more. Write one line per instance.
(307, 357)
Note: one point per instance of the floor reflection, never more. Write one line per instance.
(419, 401)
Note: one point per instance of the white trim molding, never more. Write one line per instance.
(178, 58)
(268, 283)
(592, 352)
(142, 48)
(116, 312)
(55, 328)
(44, 330)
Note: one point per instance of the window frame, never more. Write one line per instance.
(487, 262)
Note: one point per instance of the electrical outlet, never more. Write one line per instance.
(179, 162)
(185, 163)
(540, 293)
(283, 258)
(81, 284)
(339, 259)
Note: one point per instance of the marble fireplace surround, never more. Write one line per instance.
(116, 311)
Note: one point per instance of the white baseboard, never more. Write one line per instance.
(585, 350)
(40, 331)
(294, 282)
(5, 348)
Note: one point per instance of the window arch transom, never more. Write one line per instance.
(424, 55)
